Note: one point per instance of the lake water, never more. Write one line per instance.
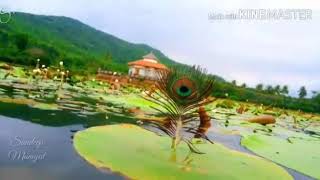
(37, 144)
(46, 152)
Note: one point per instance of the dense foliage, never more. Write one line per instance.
(52, 39)
(265, 97)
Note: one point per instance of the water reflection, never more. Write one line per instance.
(61, 160)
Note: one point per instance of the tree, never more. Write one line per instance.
(302, 92)
(259, 87)
(21, 41)
(277, 89)
(314, 93)
(317, 98)
(244, 85)
(234, 82)
(269, 89)
(285, 90)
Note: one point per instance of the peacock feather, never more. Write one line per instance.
(181, 93)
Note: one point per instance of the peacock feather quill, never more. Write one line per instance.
(181, 93)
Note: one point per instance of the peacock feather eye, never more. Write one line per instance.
(183, 91)
(183, 87)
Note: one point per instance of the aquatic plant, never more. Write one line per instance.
(37, 70)
(242, 109)
(63, 74)
(287, 152)
(181, 92)
(227, 104)
(40, 72)
(157, 163)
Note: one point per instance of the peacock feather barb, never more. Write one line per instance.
(181, 94)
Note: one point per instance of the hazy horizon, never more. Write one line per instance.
(284, 52)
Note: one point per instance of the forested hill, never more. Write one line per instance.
(53, 38)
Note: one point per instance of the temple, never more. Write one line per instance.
(146, 68)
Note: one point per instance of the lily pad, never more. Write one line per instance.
(300, 154)
(141, 154)
(45, 106)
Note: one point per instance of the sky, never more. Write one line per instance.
(285, 52)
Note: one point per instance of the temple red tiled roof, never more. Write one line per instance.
(146, 63)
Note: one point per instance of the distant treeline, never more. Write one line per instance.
(270, 96)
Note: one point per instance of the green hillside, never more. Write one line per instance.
(55, 38)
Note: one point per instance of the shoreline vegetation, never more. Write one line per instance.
(221, 89)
